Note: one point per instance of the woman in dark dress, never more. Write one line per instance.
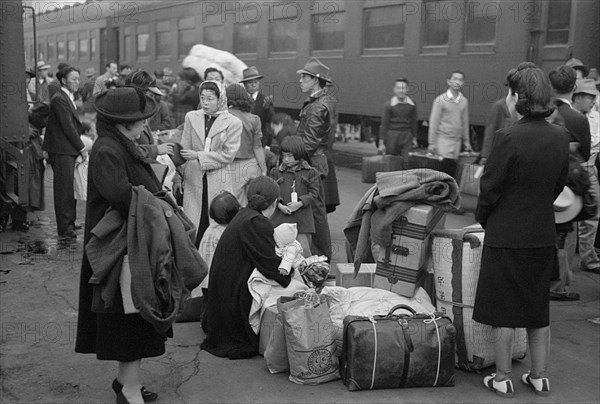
(525, 172)
(247, 243)
(116, 165)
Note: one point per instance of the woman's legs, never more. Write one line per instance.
(129, 377)
(503, 351)
(539, 349)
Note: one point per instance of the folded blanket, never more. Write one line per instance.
(395, 193)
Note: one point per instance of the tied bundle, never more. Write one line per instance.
(314, 273)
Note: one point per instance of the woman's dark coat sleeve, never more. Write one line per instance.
(494, 175)
(258, 241)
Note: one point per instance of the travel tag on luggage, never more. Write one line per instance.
(294, 194)
(478, 172)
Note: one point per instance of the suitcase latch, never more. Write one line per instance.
(400, 250)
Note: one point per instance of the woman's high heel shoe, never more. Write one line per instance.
(147, 395)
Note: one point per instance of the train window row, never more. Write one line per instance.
(386, 25)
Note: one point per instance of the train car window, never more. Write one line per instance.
(214, 36)
(127, 55)
(480, 24)
(51, 48)
(559, 19)
(244, 37)
(283, 27)
(93, 49)
(83, 49)
(187, 35)
(71, 50)
(328, 24)
(60, 50)
(383, 27)
(436, 22)
(42, 55)
(141, 42)
(163, 38)
(328, 31)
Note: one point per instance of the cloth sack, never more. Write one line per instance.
(309, 336)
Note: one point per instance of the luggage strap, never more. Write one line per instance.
(372, 320)
(437, 330)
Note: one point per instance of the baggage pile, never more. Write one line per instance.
(403, 318)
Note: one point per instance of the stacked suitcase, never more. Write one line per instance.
(403, 266)
(456, 264)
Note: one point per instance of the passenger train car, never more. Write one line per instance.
(366, 43)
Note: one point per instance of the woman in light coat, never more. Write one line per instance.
(211, 139)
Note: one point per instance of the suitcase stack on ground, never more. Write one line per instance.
(398, 350)
(403, 266)
(456, 263)
(381, 163)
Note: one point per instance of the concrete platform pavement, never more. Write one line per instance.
(38, 311)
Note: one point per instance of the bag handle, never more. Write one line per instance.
(401, 306)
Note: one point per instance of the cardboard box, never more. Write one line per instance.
(345, 275)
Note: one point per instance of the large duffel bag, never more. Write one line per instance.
(381, 163)
(398, 350)
(456, 264)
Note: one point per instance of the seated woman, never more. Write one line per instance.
(246, 244)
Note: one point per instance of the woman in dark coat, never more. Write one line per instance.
(525, 172)
(116, 165)
(246, 244)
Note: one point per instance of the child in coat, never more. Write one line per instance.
(298, 188)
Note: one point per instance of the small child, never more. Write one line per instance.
(222, 210)
(299, 189)
(288, 248)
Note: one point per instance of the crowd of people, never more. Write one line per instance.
(217, 141)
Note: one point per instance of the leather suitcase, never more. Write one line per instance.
(373, 164)
(398, 350)
(432, 161)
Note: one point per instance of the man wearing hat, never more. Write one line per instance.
(581, 69)
(63, 144)
(263, 105)
(43, 80)
(316, 128)
(584, 98)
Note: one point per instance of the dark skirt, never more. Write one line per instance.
(126, 338)
(513, 287)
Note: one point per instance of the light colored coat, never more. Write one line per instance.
(225, 135)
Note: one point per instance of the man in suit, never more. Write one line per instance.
(263, 105)
(43, 80)
(109, 74)
(63, 144)
(563, 81)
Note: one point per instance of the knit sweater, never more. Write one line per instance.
(401, 117)
(449, 119)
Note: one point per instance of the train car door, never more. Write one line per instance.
(109, 45)
(568, 28)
